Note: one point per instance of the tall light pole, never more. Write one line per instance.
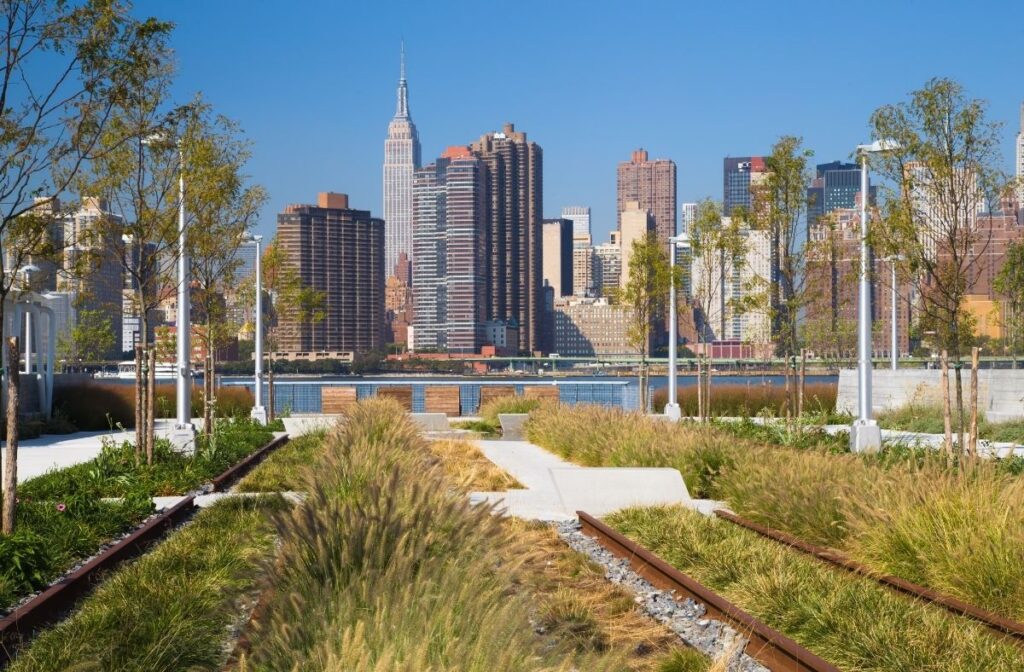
(27, 271)
(184, 434)
(894, 346)
(259, 412)
(672, 410)
(865, 436)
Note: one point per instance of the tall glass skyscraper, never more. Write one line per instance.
(401, 158)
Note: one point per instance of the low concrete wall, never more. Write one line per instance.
(1000, 391)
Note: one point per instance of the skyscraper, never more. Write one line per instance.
(652, 184)
(738, 173)
(1020, 159)
(557, 253)
(834, 186)
(634, 224)
(340, 252)
(401, 158)
(513, 252)
(580, 216)
(689, 216)
(449, 239)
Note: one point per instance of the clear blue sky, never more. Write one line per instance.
(313, 83)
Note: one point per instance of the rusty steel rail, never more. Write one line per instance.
(232, 474)
(769, 647)
(53, 603)
(1005, 626)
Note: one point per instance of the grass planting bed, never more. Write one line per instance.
(956, 529)
(173, 608)
(67, 515)
(848, 620)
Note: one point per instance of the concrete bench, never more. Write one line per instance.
(431, 422)
(513, 425)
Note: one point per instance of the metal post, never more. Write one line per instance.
(183, 436)
(259, 413)
(672, 411)
(894, 350)
(28, 342)
(864, 434)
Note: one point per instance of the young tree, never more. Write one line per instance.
(65, 67)
(91, 338)
(222, 208)
(1010, 283)
(779, 207)
(645, 296)
(716, 244)
(944, 163)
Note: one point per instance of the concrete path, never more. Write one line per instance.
(56, 451)
(986, 448)
(555, 489)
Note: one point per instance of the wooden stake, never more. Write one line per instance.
(10, 482)
(151, 406)
(947, 420)
(800, 389)
(972, 446)
(140, 404)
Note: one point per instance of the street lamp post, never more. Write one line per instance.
(27, 271)
(865, 435)
(259, 412)
(894, 346)
(183, 435)
(672, 410)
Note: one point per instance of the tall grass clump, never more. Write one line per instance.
(286, 468)
(384, 567)
(849, 620)
(958, 529)
(926, 417)
(509, 404)
(748, 400)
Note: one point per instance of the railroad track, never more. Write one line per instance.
(765, 645)
(1004, 626)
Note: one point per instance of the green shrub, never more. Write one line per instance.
(510, 404)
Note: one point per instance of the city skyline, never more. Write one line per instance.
(696, 131)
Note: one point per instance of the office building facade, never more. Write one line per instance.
(339, 252)
(580, 217)
(557, 252)
(449, 241)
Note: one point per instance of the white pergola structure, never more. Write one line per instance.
(29, 308)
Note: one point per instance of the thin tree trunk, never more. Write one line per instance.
(151, 406)
(946, 419)
(207, 390)
(961, 417)
(11, 452)
(140, 425)
(972, 447)
(789, 394)
(801, 383)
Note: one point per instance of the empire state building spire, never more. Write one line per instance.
(402, 111)
(401, 158)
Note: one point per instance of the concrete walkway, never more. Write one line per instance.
(555, 489)
(986, 448)
(56, 451)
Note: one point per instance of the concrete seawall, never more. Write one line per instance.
(1000, 391)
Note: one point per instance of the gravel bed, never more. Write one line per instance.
(686, 618)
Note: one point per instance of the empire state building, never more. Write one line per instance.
(401, 158)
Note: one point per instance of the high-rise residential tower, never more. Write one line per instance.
(1020, 159)
(652, 184)
(449, 227)
(557, 252)
(401, 158)
(515, 202)
(340, 252)
(580, 217)
(634, 224)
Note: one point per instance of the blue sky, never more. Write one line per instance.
(313, 83)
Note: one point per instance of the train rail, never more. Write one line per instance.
(1005, 626)
(765, 645)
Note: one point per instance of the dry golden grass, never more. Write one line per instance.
(576, 602)
(468, 469)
